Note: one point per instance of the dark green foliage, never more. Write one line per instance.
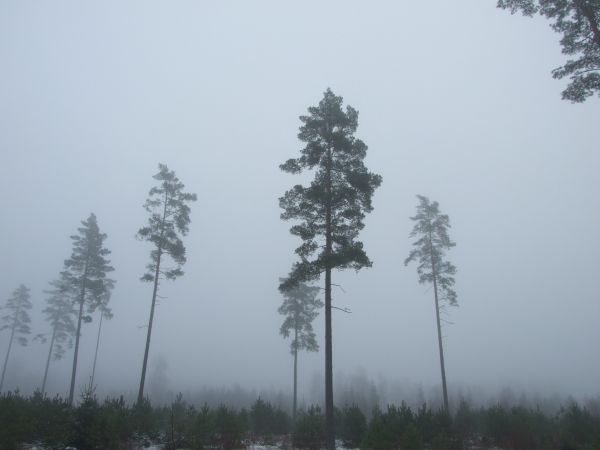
(464, 421)
(340, 193)
(579, 23)
(17, 321)
(309, 429)
(517, 428)
(181, 422)
(146, 421)
(85, 277)
(14, 417)
(411, 439)
(330, 212)
(52, 419)
(390, 429)
(113, 424)
(202, 432)
(227, 428)
(402, 428)
(33, 419)
(169, 219)
(117, 425)
(106, 425)
(267, 421)
(87, 423)
(351, 426)
(578, 428)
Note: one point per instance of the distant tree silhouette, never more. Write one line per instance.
(17, 321)
(300, 307)
(86, 275)
(60, 313)
(431, 228)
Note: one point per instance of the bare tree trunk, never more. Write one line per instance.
(48, 361)
(74, 371)
(96, 354)
(145, 363)
(12, 335)
(295, 402)
(329, 423)
(439, 328)
(329, 419)
(154, 292)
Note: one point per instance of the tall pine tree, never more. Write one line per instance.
(300, 307)
(169, 219)
(330, 211)
(86, 274)
(431, 228)
(17, 321)
(60, 313)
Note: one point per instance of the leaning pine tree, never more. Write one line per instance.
(431, 228)
(86, 274)
(169, 219)
(300, 307)
(331, 210)
(60, 313)
(17, 321)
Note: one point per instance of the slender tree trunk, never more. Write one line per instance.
(154, 292)
(329, 423)
(294, 407)
(329, 419)
(145, 363)
(12, 335)
(439, 328)
(76, 352)
(48, 361)
(96, 353)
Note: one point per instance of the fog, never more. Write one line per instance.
(456, 103)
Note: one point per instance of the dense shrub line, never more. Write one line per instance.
(113, 424)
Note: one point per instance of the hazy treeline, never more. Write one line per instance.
(366, 392)
(114, 423)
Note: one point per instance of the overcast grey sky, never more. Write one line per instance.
(456, 102)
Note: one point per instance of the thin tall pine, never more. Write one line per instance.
(169, 219)
(431, 229)
(300, 307)
(86, 273)
(17, 321)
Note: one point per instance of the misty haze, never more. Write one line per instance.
(300, 223)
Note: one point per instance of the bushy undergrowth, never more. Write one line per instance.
(113, 424)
